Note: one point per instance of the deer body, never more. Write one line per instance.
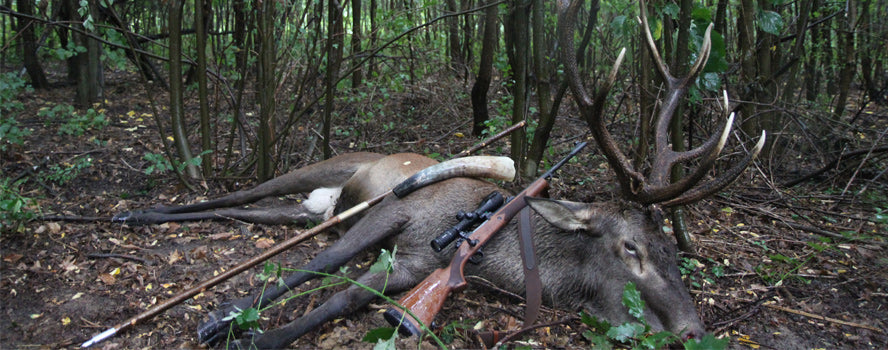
(584, 250)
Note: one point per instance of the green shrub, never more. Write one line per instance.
(73, 122)
(15, 208)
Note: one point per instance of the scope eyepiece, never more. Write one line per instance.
(442, 241)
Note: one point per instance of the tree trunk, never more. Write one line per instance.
(371, 64)
(180, 137)
(812, 74)
(267, 82)
(721, 14)
(868, 68)
(29, 46)
(467, 37)
(647, 98)
(485, 70)
(746, 50)
(239, 40)
(543, 72)
(795, 56)
(334, 58)
(453, 48)
(86, 67)
(201, 10)
(767, 87)
(519, 67)
(356, 41)
(846, 48)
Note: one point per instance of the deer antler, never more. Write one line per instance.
(656, 187)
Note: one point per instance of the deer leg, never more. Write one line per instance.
(366, 232)
(281, 215)
(342, 303)
(333, 172)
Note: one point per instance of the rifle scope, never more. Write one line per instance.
(488, 205)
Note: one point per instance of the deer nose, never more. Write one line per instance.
(693, 334)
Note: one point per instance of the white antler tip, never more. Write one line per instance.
(760, 144)
(727, 131)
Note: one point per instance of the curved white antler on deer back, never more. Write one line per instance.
(489, 167)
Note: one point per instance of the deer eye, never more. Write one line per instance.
(631, 249)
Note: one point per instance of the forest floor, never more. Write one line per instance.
(766, 274)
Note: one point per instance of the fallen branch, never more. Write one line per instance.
(74, 218)
(824, 318)
(833, 164)
(796, 226)
(120, 256)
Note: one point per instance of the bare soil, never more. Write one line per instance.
(62, 282)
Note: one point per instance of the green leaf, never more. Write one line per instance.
(632, 300)
(771, 22)
(708, 342)
(658, 340)
(709, 81)
(592, 321)
(701, 14)
(245, 319)
(658, 30)
(377, 334)
(626, 331)
(599, 342)
(618, 22)
(717, 62)
(388, 344)
(779, 257)
(384, 262)
(672, 10)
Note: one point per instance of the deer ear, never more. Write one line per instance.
(566, 215)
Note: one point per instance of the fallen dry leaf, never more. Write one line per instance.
(12, 258)
(107, 278)
(221, 235)
(174, 257)
(264, 243)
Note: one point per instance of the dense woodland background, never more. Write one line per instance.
(113, 105)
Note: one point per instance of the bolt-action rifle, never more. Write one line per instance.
(426, 299)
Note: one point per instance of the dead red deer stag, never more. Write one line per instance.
(588, 252)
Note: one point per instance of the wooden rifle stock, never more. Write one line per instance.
(426, 299)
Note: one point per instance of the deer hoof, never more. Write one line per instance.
(217, 327)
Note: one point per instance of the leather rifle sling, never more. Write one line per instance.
(532, 285)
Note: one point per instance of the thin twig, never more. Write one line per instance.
(120, 256)
(862, 162)
(824, 318)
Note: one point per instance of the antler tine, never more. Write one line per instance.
(677, 87)
(709, 151)
(592, 110)
(706, 147)
(659, 188)
(567, 16)
(702, 54)
(658, 60)
(719, 183)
